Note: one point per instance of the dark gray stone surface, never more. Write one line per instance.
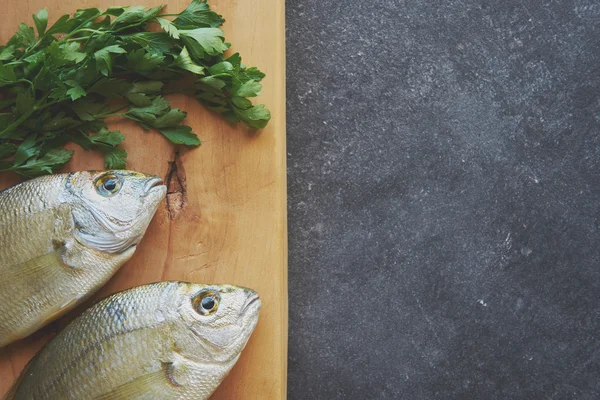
(444, 199)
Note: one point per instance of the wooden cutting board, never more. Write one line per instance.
(232, 227)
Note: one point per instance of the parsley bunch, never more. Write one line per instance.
(58, 84)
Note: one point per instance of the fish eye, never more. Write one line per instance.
(108, 185)
(206, 303)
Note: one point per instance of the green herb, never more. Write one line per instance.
(59, 83)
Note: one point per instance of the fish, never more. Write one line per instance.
(165, 340)
(63, 236)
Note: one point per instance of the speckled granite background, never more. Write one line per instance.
(444, 199)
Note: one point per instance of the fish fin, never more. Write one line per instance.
(27, 277)
(41, 265)
(40, 270)
(58, 311)
(12, 391)
(154, 385)
(32, 275)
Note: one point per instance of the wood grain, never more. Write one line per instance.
(232, 228)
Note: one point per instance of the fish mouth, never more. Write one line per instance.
(254, 301)
(153, 183)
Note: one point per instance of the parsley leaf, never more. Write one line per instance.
(43, 164)
(181, 135)
(7, 149)
(41, 21)
(168, 27)
(23, 38)
(7, 53)
(71, 53)
(171, 119)
(249, 89)
(209, 39)
(136, 15)
(185, 61)
(115, 158)
(76, 91)
(110, 87)
(107, 138)
(198, 13)
(149, 113)
(255, 117)
(24, 102)
(63, 25)
(7, 75)
(104, 59)
(143, 61)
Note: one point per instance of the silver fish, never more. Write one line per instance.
(167, 340)
(62, 237)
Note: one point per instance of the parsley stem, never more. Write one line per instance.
(79, 28)
(91, 30)
(80, 38)
(25, 81)
(142, 22)
(110, 115)
(31, 48)
(38, 106)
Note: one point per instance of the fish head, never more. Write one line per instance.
(218, 320)
(112, 209)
